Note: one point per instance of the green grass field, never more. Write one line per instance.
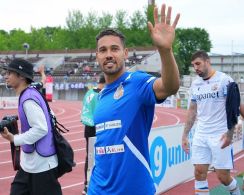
(220, 190)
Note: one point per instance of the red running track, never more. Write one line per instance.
(187, 188)
(68, 113)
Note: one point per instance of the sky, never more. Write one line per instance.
(222, 19)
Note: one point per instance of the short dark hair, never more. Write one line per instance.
(200, 54)
(113, 32)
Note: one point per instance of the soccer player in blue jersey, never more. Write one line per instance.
(125, 110)
(88, 106)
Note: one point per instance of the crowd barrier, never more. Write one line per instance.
(173, 102)
(8, 102)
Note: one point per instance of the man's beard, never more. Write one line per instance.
(113, 71)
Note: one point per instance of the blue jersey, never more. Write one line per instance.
(123, 119)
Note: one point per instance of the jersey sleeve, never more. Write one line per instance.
(144, 88)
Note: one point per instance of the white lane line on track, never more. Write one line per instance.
(12, 176)
(73, 185)
(77, 113)
(4, 143)
(178, 112)
(239, 157)
(174, 110)
(155, 118)
(76, 150)
(73, 132)
(3, 151)
(5, 162)
(76, 140)
(170, 114)
(64, 134)
(59, 111)
(8, 177)
(69, 121)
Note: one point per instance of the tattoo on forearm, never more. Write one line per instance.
(190, 122)
(230, 132)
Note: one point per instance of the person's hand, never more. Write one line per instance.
(41, 69)
(226, 139)
(185, 144)
(7, 135)
(163, 31)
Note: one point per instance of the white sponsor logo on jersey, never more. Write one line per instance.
(110, 149)
(108, 125)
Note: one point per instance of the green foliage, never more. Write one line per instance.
(16, 39)
(121, 20)
(138, 21)
(105, 21)
(80, 33)
(149, 13)
(75, 20)
(187, 42)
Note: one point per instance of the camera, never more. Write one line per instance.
(10, 122)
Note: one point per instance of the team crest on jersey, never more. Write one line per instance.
(119, 92)
(214, 87)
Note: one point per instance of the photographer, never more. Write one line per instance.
(38, 162)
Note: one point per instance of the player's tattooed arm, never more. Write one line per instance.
(230, 132)
(191, 117)
(227, 138)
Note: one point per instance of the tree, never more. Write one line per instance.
(17, 38)
(75, 20)
(3, 40)
(38, 39)
(81, 30)
(188, 41)
(137, 21)
(121, 22)
(86, 35)
(105, 21)
(149, 13)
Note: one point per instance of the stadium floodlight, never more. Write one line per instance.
(26, 46)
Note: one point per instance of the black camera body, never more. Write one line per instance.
(10, 122)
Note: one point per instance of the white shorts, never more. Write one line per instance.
(207, 150)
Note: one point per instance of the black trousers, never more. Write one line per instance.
(90, 131)
(44, 183)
